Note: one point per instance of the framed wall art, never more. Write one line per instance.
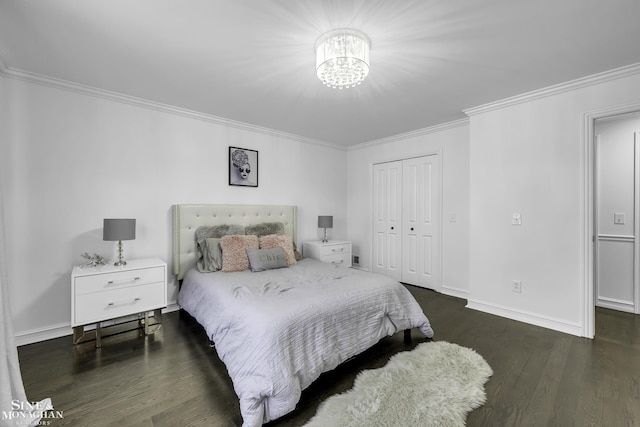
(243, 167)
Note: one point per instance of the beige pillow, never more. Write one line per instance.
(234, 251)
(284, 241)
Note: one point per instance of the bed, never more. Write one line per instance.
(278, 329)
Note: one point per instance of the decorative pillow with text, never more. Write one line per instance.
(283, 241)
(266, 259)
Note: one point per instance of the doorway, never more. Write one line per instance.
(588, 220)
(617, 217)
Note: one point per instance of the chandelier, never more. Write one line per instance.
(342, 58)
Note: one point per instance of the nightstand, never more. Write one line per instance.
(333, 251)
(108, 292)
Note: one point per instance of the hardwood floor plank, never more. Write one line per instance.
(173, 378)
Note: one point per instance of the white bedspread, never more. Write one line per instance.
(278, 330)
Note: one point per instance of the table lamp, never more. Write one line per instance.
(325, 221)
(119, 229)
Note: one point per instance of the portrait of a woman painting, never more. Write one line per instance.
(243, 167)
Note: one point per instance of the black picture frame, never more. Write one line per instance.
(238, 174)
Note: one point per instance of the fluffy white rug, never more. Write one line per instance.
(436, 384)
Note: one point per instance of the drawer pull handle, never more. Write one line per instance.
(126, 301)
(113, 282)
(338, 250)
(337, 262)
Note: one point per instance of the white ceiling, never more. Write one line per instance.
(252, 61)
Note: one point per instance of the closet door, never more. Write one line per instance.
(421, 222)
(387, 219)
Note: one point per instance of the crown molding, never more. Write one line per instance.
(413, 134)
(615, 74)
(69, 86)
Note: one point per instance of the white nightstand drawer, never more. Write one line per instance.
(334, 251)
(343, 248)
(116, 280)
(99, 306)
(338, 258)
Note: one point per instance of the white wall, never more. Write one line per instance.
(528, 157)
(452, 142)
(69, 160)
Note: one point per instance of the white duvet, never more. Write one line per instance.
(278, 330)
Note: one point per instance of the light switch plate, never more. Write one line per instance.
(618, 218)
(516, 219)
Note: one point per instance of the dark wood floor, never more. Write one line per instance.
(173, 378)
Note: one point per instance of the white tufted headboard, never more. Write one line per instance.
(187, 218)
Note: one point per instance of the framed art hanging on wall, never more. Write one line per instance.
(243, 167)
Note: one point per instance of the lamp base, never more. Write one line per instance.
(324, 239)
(121, 262)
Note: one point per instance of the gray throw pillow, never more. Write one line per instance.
(265, 228)
(266, 259)
(212, 231)
(211, 259)
(205, 231)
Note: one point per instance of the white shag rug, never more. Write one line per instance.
(436, 384)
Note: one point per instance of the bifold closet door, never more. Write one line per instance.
(406, 211)
(421, 221)
(387, 207)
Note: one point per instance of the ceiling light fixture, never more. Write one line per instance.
(342, 58)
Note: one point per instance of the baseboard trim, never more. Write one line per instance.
(615, 304)
(455, 292)
(531, 318)
(64, 329)
(43, 334)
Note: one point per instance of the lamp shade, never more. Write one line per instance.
(325, 221)
(115, 229)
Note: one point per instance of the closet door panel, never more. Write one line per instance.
(394, 267)
(387, 219)
(421, 219)
(427, 227)
(411, 189)
(379, 218)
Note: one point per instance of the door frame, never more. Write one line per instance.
(587, 290)
(436, 152)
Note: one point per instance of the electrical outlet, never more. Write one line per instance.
(516, 286)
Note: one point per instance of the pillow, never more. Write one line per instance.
(284, 241)
(296, 253)
(211, 255)
(205, 231)
(265, 228)
(234, 251)
(212, 231)
(266, 259)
